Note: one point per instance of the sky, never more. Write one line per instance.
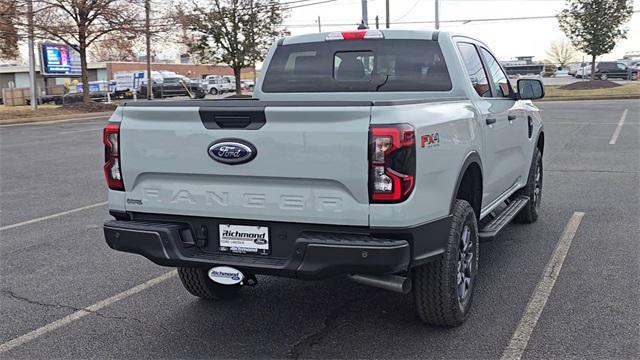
(507, 39)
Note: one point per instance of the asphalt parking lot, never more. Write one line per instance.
(65, 294)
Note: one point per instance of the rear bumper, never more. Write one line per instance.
(308, 255)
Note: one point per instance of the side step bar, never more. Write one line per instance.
(492, 229)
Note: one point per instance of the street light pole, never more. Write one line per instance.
(437, 14)
(147, 10)
(387, 15)
(365, 15)
(319, 25)
(32, 57)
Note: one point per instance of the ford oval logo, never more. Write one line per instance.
(232, 151)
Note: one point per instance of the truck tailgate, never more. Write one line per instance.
(311, 163)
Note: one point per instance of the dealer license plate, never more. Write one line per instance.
(242, 239)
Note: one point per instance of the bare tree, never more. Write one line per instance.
(8, 30)
(81, 23)
(114, 47)
(561, 52)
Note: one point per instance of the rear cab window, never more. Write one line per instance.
(357, 66)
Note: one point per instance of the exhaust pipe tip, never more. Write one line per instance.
(395, 283)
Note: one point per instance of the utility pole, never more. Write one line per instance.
(253, 35)
(377, 22)
(365, 15)
(387, 16)
(147, 30)
(32, 57)
(319, 25)
(437, 14)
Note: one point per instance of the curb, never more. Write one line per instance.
(54, 118)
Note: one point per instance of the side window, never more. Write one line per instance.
(500, 81)
(475, 69)
(621, 66)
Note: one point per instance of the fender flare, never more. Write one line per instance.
(535, 145)
(540, 132)
(472, 158)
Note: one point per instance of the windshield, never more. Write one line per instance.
(358, 66)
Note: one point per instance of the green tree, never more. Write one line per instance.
(594, 26)
(235, 32)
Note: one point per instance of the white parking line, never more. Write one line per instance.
(540, 295)
(96, 130)
(84, 312)
(7, 227)
(616, 133)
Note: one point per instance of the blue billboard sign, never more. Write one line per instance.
(59, 60)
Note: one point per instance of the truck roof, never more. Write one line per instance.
(387, 33)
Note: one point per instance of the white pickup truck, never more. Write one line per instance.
(381, 155)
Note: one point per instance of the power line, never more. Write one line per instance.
(408, 12)
(294, 2)
(464, 21)
(305, 5)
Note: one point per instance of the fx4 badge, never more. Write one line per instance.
(430, 140)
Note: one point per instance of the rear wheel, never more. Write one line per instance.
(603, 77)
(197, 282)
(533, 190)
(443, 289)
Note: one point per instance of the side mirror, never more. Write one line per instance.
(530, 89)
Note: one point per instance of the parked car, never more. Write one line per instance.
(174, 86)
(583, 72)
(573, 68)
(549, 70)
(611, 69)
(248, 85)
(384, 155)
(230, 83)
(216, 85)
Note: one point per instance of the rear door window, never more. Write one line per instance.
(358, 66)
(475, 69)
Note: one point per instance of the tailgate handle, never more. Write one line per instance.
(232, 118)
(232, 122)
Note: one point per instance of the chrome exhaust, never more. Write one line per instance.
(394, 283)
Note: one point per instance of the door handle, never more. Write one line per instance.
(491, 121)
(511, 117)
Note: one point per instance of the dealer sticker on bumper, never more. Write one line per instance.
(243, 239)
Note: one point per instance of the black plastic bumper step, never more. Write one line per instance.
(503, 219)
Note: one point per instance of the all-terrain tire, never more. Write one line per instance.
(533, 189)
(196, 281)
(436, 284)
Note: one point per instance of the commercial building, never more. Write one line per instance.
(18, 76)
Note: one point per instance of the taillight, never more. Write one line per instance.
(111, 141)
(392, 162)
